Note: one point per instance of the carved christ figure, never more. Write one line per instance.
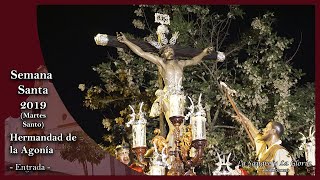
(170, 68)
(171, 71)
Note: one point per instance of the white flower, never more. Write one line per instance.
(139, 12)
(256, 24)
(106, 124)
(82, 87)
(138, 24)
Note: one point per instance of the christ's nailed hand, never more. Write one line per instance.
(121, 37)
(208, 50)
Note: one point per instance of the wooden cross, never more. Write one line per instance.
(180, 51)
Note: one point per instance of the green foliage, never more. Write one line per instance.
(255, 67)
(303, 117)
(127, 80)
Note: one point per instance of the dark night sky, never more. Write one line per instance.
(66, 36)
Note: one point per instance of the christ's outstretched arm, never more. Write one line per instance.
(137, 50)
(197, 59)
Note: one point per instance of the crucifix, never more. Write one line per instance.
(169, 67)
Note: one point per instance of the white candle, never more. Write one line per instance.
(176, 105)
(198, 124)
(157, 170)
(310, 153)
(139, 135)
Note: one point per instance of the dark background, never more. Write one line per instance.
(66, 36)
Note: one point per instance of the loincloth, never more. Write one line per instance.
(160, 104)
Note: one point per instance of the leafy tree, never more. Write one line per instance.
(256, 66)
(83, 150)
(301, 119)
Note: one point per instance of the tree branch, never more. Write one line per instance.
(226, 32)
(146, 21)
(201, 77)
(215, 117)
(296, 49)
(233, 50)
(222, 126)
